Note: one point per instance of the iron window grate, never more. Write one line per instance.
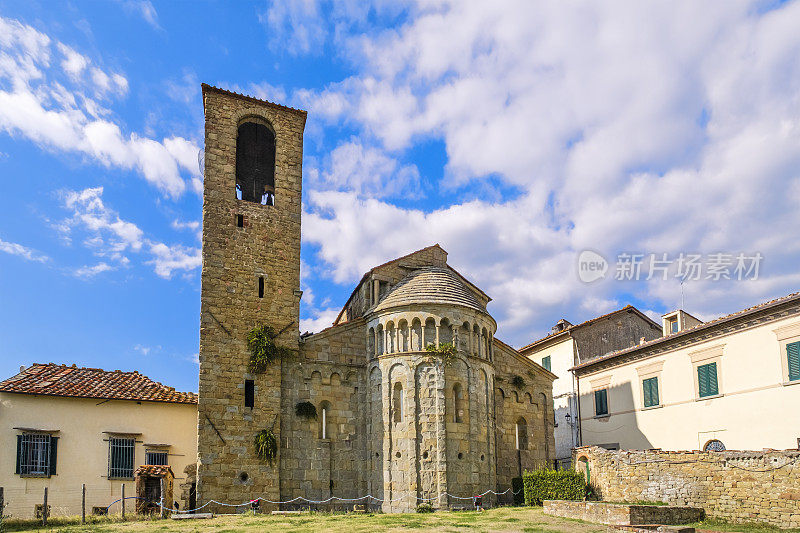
(120, 457)
(155, 458)
(35, 455)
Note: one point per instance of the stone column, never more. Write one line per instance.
(437, 336)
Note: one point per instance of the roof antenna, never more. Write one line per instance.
(683, 305)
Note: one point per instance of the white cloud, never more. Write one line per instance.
(109, 236)
(319, 320)
(659, 127)
(145, 9)
(22, 251)
(92, 271)
(36, 103)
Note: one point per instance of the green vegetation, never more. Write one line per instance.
(266, 445)
(263, 350)
(518, 382)
(306, 410)
(553, 485)
(445, 350)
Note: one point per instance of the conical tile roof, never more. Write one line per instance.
(431, 285)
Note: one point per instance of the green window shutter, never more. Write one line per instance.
(53, 454)
(601, 402)
(19, 454)
(546, 362)
(650, 388)
(707, 380)
(793, 360)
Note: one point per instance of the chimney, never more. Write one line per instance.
(677, 321)
(560, 326)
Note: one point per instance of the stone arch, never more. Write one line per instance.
(403, 340)
(430, 332)
(459, 414)
(255, 160)
(463, 337)
(476, 341)
(502, 393)
(521, 436)
(391, 343)
(529, 397)
(324, 420)
(516, 396)
(484, 343)
(582, 465)
(316, 375)
(445, 331)
(379, 340)
(375, 432)
(371, 346)
(351, 376)
(336, 379)
(398, 411)
(415, 334)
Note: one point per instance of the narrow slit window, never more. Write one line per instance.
(239, 221)
(249, 393)
(261, 286)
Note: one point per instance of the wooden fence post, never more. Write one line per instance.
(163, 512)
(83, 504)
(44, 508)
(123, 501)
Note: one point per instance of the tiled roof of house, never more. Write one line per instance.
(61, 380)
(689, 331)
(154, 471)
(430, 285)
(586, 323)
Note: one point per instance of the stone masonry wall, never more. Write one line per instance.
(738, 486)
(533, 402)
(623, 515)
(268, 246)
(329, 371)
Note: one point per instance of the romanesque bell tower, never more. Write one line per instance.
(251, 276)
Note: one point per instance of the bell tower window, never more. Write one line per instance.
(255, 163)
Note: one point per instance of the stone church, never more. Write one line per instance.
(393, 420)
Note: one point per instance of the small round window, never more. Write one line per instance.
(714, 446)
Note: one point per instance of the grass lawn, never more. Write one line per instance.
(502, 519)
(508, 519)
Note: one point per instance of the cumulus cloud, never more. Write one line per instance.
(110, 237)
(65, 109)
(659, 127)
(24, 252)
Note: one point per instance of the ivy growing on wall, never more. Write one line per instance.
(306, 410)
(518, 382)
(266, 445)
(445, 350)
(263, 349)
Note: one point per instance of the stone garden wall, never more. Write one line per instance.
(733, 485)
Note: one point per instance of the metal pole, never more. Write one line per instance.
(123, 501)
(44, 508)
(2, 504)
(163, 512)
(83, 504)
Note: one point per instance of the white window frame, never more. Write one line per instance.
(652, 370)
(786, 335)
(712, 354)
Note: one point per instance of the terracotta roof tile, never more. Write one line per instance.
(154, 470)
(61, 380)
(694, 329)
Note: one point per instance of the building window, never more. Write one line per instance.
(521, 435)
(458, 403)
(714, 446)
(155, 457)
(397, 402)
(707, 384)
(793, 360)
(546, 362)
(255, 164)
(650, 390)
(36, 454)
(672, 324)
(120, 457)
(601, 402)
(325, 413)
(249, 393)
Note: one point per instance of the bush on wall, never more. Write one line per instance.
(553, 485)
(263, 350)
(306, 410)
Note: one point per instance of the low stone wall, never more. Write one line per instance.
(616, 514)
(734, 485)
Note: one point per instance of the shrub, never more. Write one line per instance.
(518, 382)
(517, 490)
(553, 485)
(306, 410)
(424, 508)
(447, 351)
(266, 445)
(263, 350)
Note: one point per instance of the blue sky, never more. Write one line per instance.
(515, 134)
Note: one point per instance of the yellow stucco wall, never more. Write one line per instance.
(756, 407)
(83, 448)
